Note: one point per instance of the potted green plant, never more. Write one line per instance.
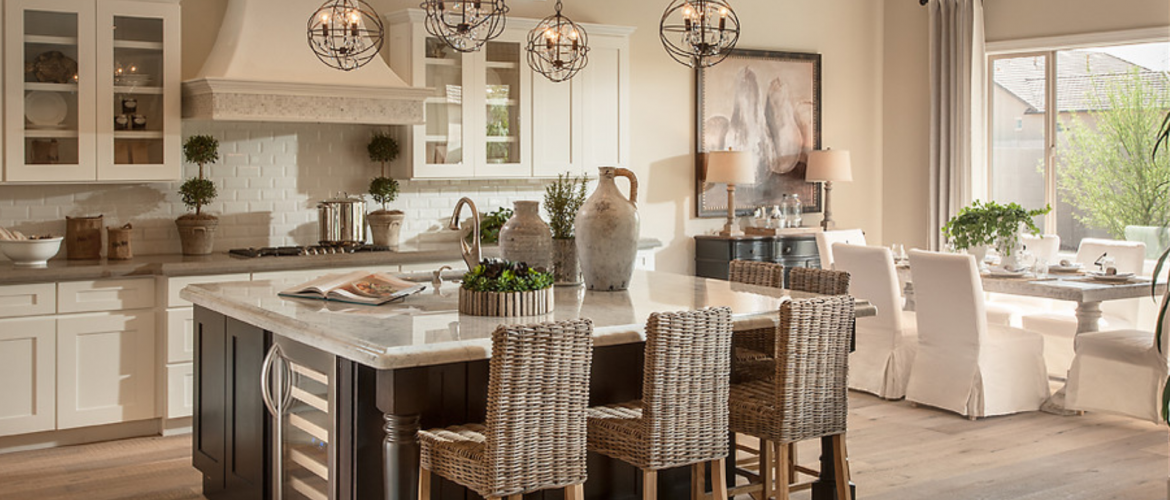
(562, 199)
(197, 230)
(501, 288)
(982, 225)
(385, 224)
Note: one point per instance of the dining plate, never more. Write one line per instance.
(1000, 273)
(1056, 268)
(45, 109)
(1111, 278)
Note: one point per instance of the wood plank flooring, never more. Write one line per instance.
(898, 453)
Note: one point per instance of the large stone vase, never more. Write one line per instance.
(526, 238)
(607, 233)
(197, 233)
(385, 227)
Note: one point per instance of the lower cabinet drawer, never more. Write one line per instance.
(105, 295)
(180, 390)
(180, 328)
(28, 300)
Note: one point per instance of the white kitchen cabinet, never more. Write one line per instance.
(69, 128)
(105, 295)
(105, 368)
(180, 390)
(27, 351)
(491, 116)
(28, 300)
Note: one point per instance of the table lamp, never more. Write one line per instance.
(828, 166)
(733, 168)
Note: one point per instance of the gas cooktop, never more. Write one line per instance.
(307, 250)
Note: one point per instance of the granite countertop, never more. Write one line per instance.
(427, 329)
(61, 269)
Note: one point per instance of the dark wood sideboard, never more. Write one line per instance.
(713, 254)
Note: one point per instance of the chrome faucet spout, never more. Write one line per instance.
(471, 251)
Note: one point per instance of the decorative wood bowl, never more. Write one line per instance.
(534, 303)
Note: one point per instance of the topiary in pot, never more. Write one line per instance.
(562, 199)
(385, 224)
(197, 230)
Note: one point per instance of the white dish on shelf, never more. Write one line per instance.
(45, 109)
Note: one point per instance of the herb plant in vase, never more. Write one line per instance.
(197, 230)
(562, 199)
(385, 225)
(982, 225)
(501, 288)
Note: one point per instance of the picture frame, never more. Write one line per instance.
(766, 102)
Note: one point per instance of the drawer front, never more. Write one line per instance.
(795, 248)
(105, 295)
(180, 390)
(754, 250)
(180, 335)
(172, 286)
(28, 300)
(713, 249)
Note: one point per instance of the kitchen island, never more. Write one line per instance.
(399, 367)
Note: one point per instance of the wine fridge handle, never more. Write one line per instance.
(266, 379)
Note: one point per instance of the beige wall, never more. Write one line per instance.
(846, 32)
(905, 124)
(1018, 19)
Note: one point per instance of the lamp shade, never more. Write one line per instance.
(730, 167)
(829, 165)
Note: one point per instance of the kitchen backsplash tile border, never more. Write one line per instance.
(269, 176)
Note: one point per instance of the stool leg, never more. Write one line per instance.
(782, 478)
(698, 481)
(841, 464)
(767, 465)
(793, 461)
(515, 497)
(424, 484)
(649, 485)
(718, 479)
(574, 492)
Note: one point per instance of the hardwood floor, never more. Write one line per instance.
(898, 453)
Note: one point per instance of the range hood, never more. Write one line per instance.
(262, 69)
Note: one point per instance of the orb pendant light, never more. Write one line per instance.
(465, 25)
(699, 33)
(346, 34)
(557, 47)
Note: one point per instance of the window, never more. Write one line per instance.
(1074, 129)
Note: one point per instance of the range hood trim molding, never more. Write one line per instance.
(250, 87)
(251, 101)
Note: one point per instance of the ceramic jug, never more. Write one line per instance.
(526, 238)
(607, 233)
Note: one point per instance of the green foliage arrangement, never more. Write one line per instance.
(199, 191)
(383, 149)
(494, 275)
(384, 190)
(489, 226)
(1111, 170)
(563, 198)
(989, 224)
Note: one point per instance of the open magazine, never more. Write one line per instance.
(358, 287)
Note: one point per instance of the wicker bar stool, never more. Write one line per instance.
(756, 273)
(534, 435)
(682, 416)
(822, 281)
(806, 398)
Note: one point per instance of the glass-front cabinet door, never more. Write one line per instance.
(138, 66)
(49, 90)
(505, 74)
(445, 148)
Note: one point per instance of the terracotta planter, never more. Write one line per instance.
(526, 238)
(197, 234)
(566, 266)
(385, 227)
(534, 303)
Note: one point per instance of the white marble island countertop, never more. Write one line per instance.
(427, 329)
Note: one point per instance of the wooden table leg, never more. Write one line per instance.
(1088, 313)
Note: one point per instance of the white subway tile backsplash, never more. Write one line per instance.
(269, 177)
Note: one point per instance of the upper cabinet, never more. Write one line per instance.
(91, 90)
(491, 116)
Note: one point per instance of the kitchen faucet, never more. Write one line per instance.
(471, 251)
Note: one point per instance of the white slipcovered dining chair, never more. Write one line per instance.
(886, 343)
(1059, 325)
(1119, 371)
(826, 239)
(964, 364)
(1008, 309)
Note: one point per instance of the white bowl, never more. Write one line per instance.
(31, 253)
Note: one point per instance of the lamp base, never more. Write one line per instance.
(731, 229)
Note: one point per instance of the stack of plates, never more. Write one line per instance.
(45, 109)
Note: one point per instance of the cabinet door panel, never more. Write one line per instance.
(56, 142)
(605, 102)
(246, 436)
(27, 349)
(556, 126)
(105, 369)
(208, 438)
(180, 335)
(180, 390)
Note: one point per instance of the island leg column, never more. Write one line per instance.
(400, 398)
